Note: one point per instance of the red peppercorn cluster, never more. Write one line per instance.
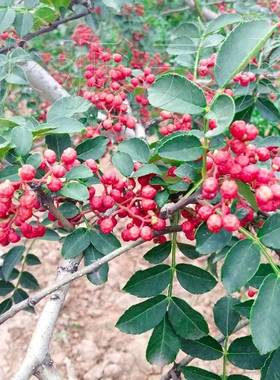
(173, 123)
(244, 79)
(18, 204)
(129, 199)
(206, 66)
(243, 161)
(108, 204)
(133, 9)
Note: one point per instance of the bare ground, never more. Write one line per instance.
(86, 345)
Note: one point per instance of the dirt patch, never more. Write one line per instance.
(86, 344)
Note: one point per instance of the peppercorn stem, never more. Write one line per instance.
(173, 254)
(225, 353)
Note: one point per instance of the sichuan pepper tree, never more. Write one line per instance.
(189, 171)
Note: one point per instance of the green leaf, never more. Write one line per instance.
(263, 271)
(221, 21)
(92, 148)
(158, 253)
(68, 106)
(63, 125)
(269, 233)
(123, 162)
(50, 235)
(239, 47)
(11, 259)
(23, 23)
(69, 210)
(75, 190)
(146, 169)
(265, 322)
(28, 281)
(194, 373)
(144, 316)
(75, 243)
(43, 16)
(194, 279)
(243, 354)
(79, 172)
(161, 198)
(225, 316)
(268, 110)
(34, 160)
(32, 260)
(244, 257)
(188, 250)
(247, 193)
(6, 288)
(181, 148)
(269, 141)
(163, 344)
(212, 41)
(104, 243)
(7, 17)
(205, 348)
(101, 275)
(190, 29)
(17, 76)
(19, 295)
(22, 138)
(244, 308)
(239, 377)
(207, 242)
(181, 45)
(58, 143)
(175, 93)
(223, 111)
(9, 172)
(6, 305)
(271, 369)
(187, 170)
(149, 282)
(187, 322)
(136, 148)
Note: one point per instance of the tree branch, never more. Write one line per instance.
(42, 82)
(44, 30)
(177, 367)
(206, 12)
(38, 296)
(47, 201)
(47, 371)
(169, 209)
(32, 300)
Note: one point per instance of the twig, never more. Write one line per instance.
(178, 366)
(153, 123)
(44, 30)
(46, 201)
(170, 208)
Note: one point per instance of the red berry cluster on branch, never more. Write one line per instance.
(244, 79)
(240, 161)
(206, 66)
(173, 123)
